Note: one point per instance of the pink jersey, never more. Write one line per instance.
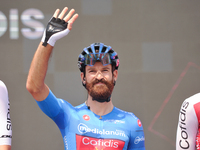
(188, 135)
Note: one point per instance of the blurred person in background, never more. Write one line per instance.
(5, 122)
(188, 135)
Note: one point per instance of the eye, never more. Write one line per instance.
(105, 70)
(92, 71)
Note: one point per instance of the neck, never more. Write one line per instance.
(99, 108)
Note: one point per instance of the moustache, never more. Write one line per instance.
(99, 81)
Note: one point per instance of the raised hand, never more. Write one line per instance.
(59, 26)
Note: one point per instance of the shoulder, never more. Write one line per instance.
(191, 101)
(125, 113)
(130, 118)
(194, 98)
(65, 104)
(3, 91)
(3, 86)
(190, 106)
(80, 106)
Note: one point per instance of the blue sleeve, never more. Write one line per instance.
(50, 106)
(137, 139)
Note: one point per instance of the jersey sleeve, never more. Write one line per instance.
(187, 126)
(50, 106)
(57, 109)
(137, 138)
(5, 125)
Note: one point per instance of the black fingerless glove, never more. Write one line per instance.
(56, 29)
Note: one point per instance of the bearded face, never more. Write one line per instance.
(100, 92)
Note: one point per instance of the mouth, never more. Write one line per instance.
(99, 83)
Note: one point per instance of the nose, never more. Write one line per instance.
(99, 75)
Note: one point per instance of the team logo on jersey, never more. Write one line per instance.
(139, 123)
(6, 136)
(91, 143)
(183, 142)
(82, 128)
(138, 139)
(86, 117)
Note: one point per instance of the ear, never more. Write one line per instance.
(115, 75)
(82, 77)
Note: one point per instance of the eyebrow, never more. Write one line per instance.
(93, 68)
(106, 67)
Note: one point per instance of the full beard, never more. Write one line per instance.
(102, 92)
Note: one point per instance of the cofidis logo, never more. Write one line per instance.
(91, 143)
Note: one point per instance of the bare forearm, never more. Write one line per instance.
(58, 27)
(37, 72)
(5, 147)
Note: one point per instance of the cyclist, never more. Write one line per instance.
(5, 125)
(95, 124)
(187, 137)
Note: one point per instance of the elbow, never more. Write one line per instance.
(28, 87)
(31, 87)
(38, 91)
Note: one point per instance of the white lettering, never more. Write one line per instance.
(27, 20)
(34, 29)
(99, 142)
(14, 25)
(65, 141)
(3, 23)
(82, 128)
(138, 139)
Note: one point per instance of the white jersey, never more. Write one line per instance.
(5, 122)
(188, 135)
